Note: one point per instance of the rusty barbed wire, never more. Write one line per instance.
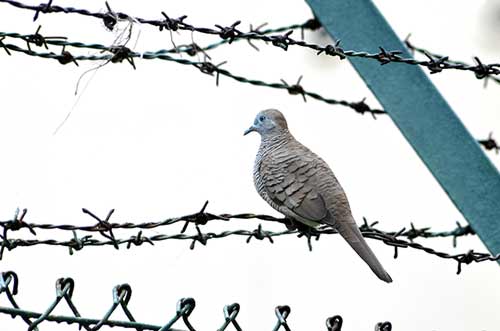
(283, 41)
(9, 284)
(105, 228)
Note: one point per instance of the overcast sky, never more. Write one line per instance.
(158, 141)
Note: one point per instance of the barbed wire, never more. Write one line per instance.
(230, 33)
(105, 228)
(9, 284)
(121, 53)
(431, 55)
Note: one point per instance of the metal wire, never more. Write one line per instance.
(105, 228)
(9, 284)
(283, 41)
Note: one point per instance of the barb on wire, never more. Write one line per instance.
(122, 294)
(38, 40)
(403, 238)
(283, 41)
(490, 144)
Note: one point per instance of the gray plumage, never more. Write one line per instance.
(299, 184)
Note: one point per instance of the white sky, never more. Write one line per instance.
(159, 141)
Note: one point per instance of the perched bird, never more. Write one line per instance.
(299, 184)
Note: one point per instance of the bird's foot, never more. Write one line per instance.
(309, 233)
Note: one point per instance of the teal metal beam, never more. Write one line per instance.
(424, 117)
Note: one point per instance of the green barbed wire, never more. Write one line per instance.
(121, 53)
(117, 54)
(105, 228)
(283, 41)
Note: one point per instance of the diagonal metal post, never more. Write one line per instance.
(425, 119)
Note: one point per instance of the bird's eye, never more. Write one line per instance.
(262, 118)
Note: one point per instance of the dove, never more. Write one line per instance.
(299, 184)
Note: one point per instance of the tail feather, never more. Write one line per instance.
(350, 232)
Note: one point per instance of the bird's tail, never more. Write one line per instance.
(353, 236)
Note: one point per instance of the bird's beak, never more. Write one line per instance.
(250, 129)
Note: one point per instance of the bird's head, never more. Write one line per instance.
(268, 122)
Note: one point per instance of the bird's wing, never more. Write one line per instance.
(291, 180)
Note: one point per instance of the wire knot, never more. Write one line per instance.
(66, 57)
(282, 41)
(461, 231)
(490, 143)
(171, 24)
(333, 50)
(121, 53)
(104, 226)
(296, 88)
(193, 49)
(139, 240)
(111, 18)
(77, 243)
(209, 68)
(260, 234)
(361, 107)
(366, 226)
(37, 39)
(43, 8)
(385, 57)
(200, 237)
(18, 222)
(466, 258)
(415, 233)
(229, 32)
(435, 65)
(481, 70)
